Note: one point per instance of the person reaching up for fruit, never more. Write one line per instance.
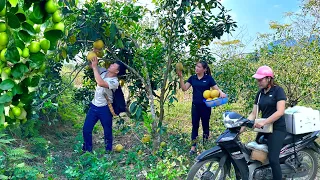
(200, 82)
(107, 81)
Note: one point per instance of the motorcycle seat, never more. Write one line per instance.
(290, 138)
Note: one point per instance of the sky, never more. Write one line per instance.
(253, 16)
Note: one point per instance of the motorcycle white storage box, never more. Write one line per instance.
(301, 120)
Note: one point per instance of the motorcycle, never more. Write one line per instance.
(297, 156)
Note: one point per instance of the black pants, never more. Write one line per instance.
(200, 111)
(275, 143)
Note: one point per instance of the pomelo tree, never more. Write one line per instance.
(28, 35)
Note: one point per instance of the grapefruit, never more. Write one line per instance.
(45, 44)
(50, 7)
(179, 66)
(146, 138)
(98, 44)
(56, 17)
(163, 144)
(3, 27)
(16, 111)
(4, 39)
(59, 26)
(214, 93)
(25, 53)
(118, 148)
(20, 51)
(206, 94)
(100, 53)
(2, 55)
(121, 82)
(34, 47)
(91, 55)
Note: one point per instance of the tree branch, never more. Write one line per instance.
(55, 95)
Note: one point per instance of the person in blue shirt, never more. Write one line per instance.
(200, 82)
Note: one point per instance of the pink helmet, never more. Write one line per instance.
(262, 72)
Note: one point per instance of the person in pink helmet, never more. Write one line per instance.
(271, 100)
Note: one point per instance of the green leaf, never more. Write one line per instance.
(18, 70)
(5, 98)
(33, 18)
(2, 4)
(22, 17)
(113, 31)
(13, 20)
(1, 112)
(14, 10)
(53, 36)
(139, 112)
(37, 10)
(17, 90)
(133, 107)
(19, 43)
(34, 81)
(26, 99)
(7, 84)
(120, 44)
(13, 3)
(37, 60)
(29, 28)
(27, 5)
(12, 54)
(24, 36)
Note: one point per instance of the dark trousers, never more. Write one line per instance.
(275, 143)
(94, 114)
(200, 111)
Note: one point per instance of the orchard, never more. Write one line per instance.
(47, 85)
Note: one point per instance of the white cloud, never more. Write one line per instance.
(276, 6)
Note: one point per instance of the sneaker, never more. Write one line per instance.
(192, 152)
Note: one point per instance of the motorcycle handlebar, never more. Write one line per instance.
(247, 122)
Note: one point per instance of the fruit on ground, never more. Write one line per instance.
(163, 144)
(118, 148)
(146, 138)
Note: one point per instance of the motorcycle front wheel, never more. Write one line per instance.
(206, 170)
